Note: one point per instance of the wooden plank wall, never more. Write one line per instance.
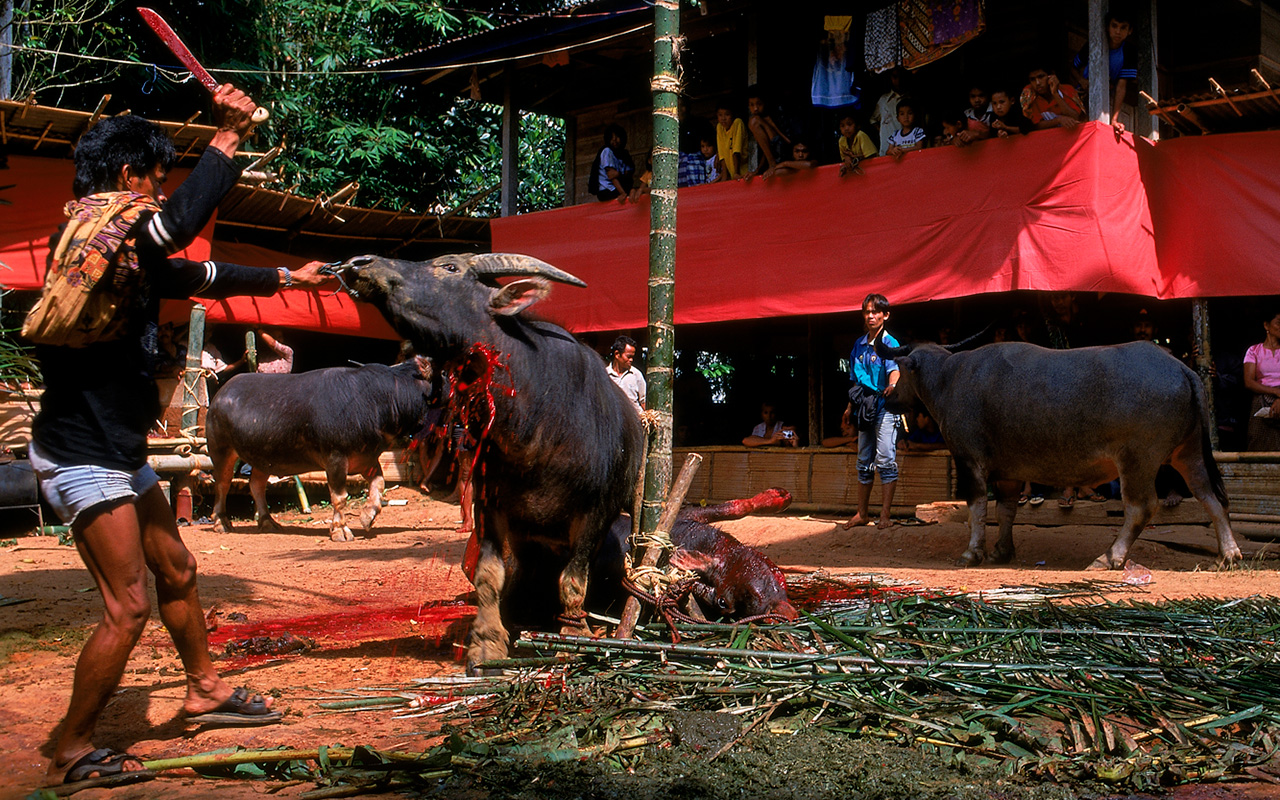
(588, 133)
(818, 478)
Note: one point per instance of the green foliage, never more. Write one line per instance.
(17, 358)
(402, 143)
(308, 60)
(82, 27)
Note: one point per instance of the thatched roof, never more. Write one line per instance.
(275, 219)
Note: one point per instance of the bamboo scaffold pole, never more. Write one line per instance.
(662, 255)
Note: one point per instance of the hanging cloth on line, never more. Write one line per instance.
(880, 45)
(832, 77)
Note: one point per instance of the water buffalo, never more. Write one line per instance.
(559, 446)
(338, 420)
(1014, 412)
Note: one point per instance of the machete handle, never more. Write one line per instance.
(260, 115)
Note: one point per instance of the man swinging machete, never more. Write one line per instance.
(109, 267)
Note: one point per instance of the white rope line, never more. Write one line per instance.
(302, 73)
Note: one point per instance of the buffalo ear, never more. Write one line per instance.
(692, 561)
(518, 295)
(425, 368)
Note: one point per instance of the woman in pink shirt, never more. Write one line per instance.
(1262, 377)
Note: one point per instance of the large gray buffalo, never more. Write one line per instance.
(1015, 412)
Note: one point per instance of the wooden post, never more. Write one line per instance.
(570, 160)
(6, 52)
(1204, 360)
(510, 148)
(250, 351)
(1153, 72)
(631, 609)
(1099, 68)
(815, 384)
(191, 376)
(662, 255)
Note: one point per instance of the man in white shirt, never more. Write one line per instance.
(628, 378)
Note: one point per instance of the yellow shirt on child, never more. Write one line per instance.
(730, 142)
(862, 147)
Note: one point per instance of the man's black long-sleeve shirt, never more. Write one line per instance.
(100, 400)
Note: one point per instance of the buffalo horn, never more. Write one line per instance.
(504, 264)
(885, 351)
(960, 345)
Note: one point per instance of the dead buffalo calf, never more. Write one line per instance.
(733, 582)
(338, 420)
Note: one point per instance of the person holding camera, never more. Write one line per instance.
(771, 430)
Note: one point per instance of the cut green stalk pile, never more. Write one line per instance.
(1128, 693)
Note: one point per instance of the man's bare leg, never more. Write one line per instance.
(109, 543)
(863, 517)
(175, 569)
(886, 492)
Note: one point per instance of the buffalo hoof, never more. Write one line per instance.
(221, 525)
(970, 558)
(269, 525)
(484, 651)
(1105, 561)
(1231, 559)
(367, 517)
(342, 534)
(1001, 556)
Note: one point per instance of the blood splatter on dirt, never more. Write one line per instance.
(437, 625)
(820, 594)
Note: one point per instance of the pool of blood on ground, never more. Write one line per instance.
(439, 625)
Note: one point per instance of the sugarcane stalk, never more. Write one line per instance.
(585, 644)
(265, 757)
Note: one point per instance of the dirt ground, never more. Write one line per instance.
(387, 610)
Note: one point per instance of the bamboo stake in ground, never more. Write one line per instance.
(631, 611)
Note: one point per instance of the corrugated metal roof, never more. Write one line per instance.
(568, 9)
(521, 38)
(285, 218)
(1242, 108)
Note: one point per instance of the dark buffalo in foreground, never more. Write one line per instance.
(732, 581)
(559, 446)
(1015, 412)
(338, 420)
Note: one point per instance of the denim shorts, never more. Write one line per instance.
(74, 489)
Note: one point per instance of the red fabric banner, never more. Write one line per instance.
(42, 187)
(1055, 210)
(329, 312)
(1215, 202)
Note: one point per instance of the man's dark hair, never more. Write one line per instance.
(1040, 63)
(754, 91)
(114, 142)
(1119, 15)
(620, 344)
(878, 302)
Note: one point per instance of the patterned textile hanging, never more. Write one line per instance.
(930, 29)
(881, 42)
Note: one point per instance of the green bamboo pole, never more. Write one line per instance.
(191, 375)
(662, 255)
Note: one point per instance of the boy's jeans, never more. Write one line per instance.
(877, 450)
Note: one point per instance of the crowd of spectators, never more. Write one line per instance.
(754, 138)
